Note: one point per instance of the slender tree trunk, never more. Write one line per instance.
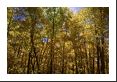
(32, 54)
(63, 59)
(76, 63)
(98, 59)
(52, 45)
(87, 64)
(76, 54)
(102, 56)
(102, 44)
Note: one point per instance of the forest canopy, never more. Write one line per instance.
(57, 40)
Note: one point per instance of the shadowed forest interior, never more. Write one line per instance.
(57, 40)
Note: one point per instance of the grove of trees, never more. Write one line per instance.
(55, 40)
